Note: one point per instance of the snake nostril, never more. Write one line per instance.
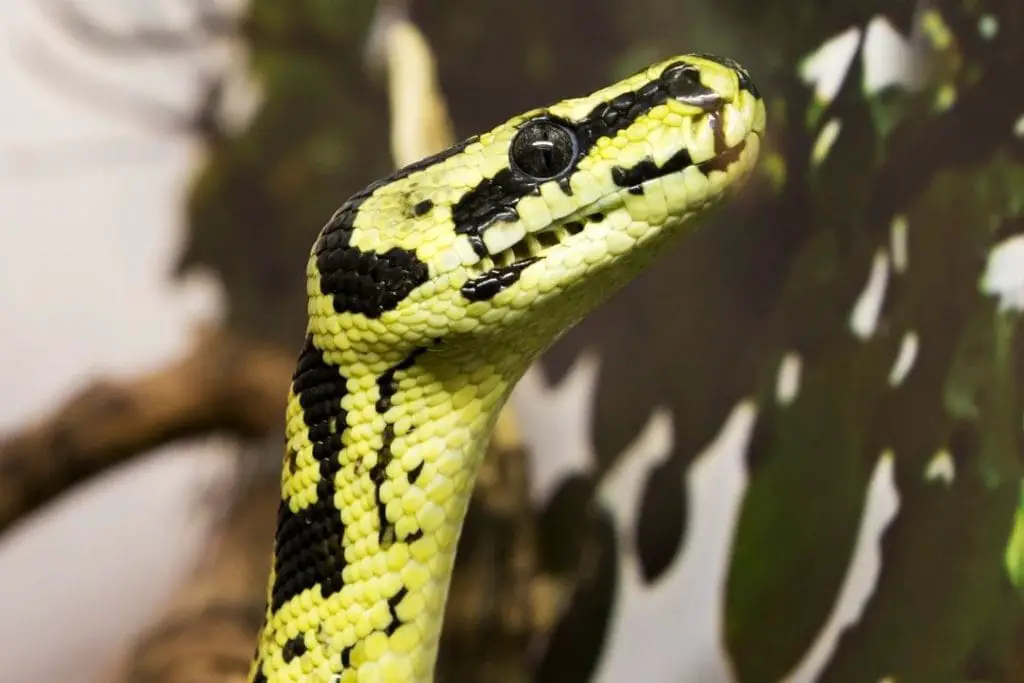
(683, 83)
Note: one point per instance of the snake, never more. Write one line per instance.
(429, 294)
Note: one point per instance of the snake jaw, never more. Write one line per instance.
(535, 238)
(694, 111)
(712, 144)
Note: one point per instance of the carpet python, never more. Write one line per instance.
(430, 292)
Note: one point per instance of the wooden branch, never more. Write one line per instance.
(224, 384)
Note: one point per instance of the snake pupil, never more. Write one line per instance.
(543, 149)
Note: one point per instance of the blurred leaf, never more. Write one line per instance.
(662, 516)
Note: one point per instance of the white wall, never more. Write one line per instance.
(85, 243)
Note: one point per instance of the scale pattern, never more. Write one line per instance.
(430, 293)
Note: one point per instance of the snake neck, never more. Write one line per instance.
(379, 469)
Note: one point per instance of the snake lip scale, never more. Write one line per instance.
(430, 292)
(506, 265)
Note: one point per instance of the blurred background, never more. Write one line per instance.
(791, 451)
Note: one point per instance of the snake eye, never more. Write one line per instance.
(543, 149)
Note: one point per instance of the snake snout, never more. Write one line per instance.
(683, 83)
(745, 82)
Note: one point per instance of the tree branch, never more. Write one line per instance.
(224, 384)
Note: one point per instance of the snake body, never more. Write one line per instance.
(430, 293)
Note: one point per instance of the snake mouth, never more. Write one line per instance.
(497, 271)
(699, 173)
(722, 158)
(532, 246)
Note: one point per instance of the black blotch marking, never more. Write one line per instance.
(415, 473)
(360, 281)
(393, 603)
(492, 201)
(646, 169)
(595, 217)
(485, 287)
(366, 282)
(387, 386)
(260, 677)
(574, 227)
(346, 657)
(414, 536)
(308, 547)
(421, 208)
(295, 647)
(378, 475)
(608, 118)
(662, 520)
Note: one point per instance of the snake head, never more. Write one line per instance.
(510, 237)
